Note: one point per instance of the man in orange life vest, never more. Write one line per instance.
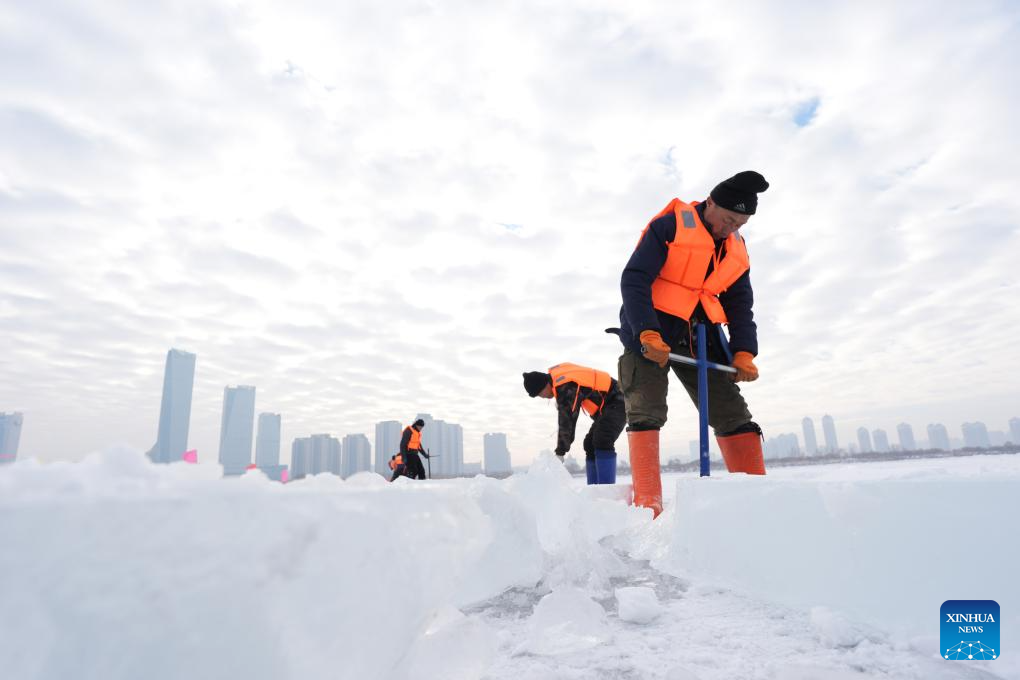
(575, 388)
(691, 266)
(410, 447)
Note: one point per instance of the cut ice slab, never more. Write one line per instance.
(566, 621)
(638, 604)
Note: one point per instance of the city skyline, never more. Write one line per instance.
(238, 405)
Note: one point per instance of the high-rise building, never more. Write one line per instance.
(357, 455)
(864, 440)
(455, 445)
(906, 434)
(236, 428)
(267, 441)
(10, 436)
(446, 442)
(496, 455)
(829, 430)
(881, 440)
(782, 446)
(387, 443)
(938, 437)
(175, 408)
(300, 457)
(1014, 431)
(975, 435)
(324, 455)
(810, 443)
(315, 455)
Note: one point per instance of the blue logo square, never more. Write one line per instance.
(969, 630)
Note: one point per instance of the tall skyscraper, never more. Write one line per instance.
(906, 434)
(175, 408)
(938, 437)
(496, 455)
(975, 435)
(1014, 431)
(357, 455)
(864, 440)
(387, 443)
(300, 457)
(324, 454)
(810, 443)
(236, 428)
(881, 440)
(829, 430)
(267, 441)
(10, 436)
(455, 437)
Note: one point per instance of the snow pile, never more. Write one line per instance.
(119, 569)
(883, 543)
(131, 570)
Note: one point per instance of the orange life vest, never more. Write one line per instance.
(600, 381)
(396, 461)
(682, 283)
(414, 443)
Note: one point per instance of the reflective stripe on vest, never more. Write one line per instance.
(600, 381)
(682, 283)
(414, 443)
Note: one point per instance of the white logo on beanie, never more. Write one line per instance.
(739, 207)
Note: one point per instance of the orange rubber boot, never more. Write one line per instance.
(742, 453)
(644, 467)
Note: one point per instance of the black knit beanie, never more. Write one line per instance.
(419, 423)
(535, 382)
(740, 192)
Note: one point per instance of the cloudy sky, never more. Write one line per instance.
(374, 209)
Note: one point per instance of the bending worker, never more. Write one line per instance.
(410, 447)
(397, 465)
(577, 388)
(691, 266)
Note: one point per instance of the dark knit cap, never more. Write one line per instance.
(740, 192)
(535, 382)
(419, 423)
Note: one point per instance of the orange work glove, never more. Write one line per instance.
(746, 370)
(655, 348)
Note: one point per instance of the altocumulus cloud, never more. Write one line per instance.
(374, 209)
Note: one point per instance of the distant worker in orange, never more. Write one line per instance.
(410, 448)
(397, 465)
(576, 388)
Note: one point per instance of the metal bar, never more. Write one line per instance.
(680, 358)
(702, 363)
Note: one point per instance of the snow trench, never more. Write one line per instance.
(116, 568)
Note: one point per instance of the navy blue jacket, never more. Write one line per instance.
(637, 313)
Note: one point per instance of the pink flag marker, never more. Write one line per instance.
(191, 456)
(284, 476)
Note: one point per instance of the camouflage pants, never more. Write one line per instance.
(645, 384)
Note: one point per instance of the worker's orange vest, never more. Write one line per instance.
(414, 443)
(682, 283)
(599, 381)
(396, 462)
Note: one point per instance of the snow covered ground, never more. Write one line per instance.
(115, 568)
